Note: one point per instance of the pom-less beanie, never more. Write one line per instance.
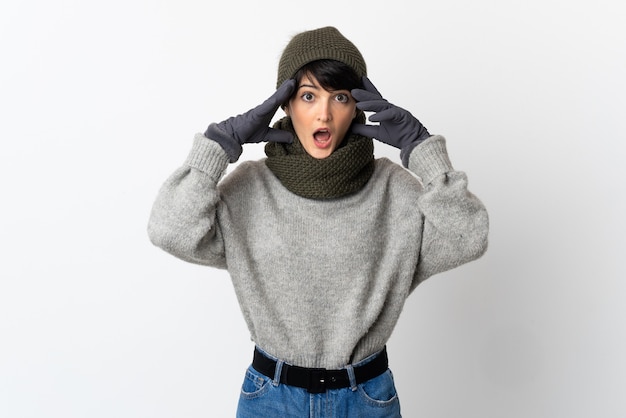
(313, 45)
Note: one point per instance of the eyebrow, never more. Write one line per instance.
(311, 86)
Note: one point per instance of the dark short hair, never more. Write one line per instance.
(331, 74)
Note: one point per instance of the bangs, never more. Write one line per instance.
(331, 74)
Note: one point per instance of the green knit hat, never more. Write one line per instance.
(313, 45)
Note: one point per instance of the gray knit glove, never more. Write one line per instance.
(398, 127)
(252, 126)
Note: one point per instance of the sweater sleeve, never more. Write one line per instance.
(456, 223)
(183, 220)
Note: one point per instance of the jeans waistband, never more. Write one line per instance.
(318, 380)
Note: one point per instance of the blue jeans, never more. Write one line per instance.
(264, 397)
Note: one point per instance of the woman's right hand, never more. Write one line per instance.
(252, 126)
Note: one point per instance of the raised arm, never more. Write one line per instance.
(456, 224)
(184, 220)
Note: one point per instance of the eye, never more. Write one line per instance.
(342, 98)
(307, 97)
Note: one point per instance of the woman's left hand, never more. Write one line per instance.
(397, 126)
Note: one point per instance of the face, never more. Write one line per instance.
(321, 118)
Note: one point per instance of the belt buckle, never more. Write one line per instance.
(317, 381)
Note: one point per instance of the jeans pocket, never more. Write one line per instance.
(379, 391)
(254, 384)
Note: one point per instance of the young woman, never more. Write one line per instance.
(323, 242)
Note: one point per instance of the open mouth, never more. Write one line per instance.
(322, 138)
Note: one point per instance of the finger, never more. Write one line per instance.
(284, 91)
(391, 113)
(369, 86)
(280, 96)
(277, 135)
(365, 130)
(361, 95)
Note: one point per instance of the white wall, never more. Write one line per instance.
(99, 102)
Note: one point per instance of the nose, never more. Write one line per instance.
(324, 111)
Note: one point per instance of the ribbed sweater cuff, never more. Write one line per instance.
(430, 159)
(207, 156)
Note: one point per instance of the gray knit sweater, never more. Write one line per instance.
(320, 283)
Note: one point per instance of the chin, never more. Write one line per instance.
(320, 154)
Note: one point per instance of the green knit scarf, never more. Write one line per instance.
(343, 172)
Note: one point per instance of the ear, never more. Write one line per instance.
(286, 109)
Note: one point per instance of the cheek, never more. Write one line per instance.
(296, 111)
(349, 115)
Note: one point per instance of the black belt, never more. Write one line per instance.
(319, 380)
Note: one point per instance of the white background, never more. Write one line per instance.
(99, 102)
